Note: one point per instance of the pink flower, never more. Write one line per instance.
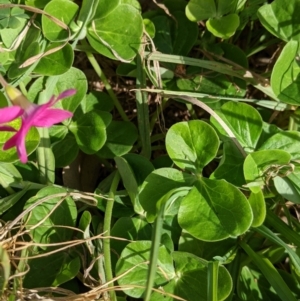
(32, 115)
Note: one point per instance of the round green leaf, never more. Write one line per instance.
(214, 210)
(56, 63)
(289, 187)
(192, 145)
(117, 40)
(243, 120)
(31, 142)
(135, 256)
(64, 215)
(261, 166)
(121, 136)
(224, 27)
(90, 131)
(65, 11)
(192, 271)
(198, 10)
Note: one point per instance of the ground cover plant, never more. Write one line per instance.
(149, 150)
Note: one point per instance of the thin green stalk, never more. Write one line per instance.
(142, 108)
(103, 78)
(157, 229)
(106, 229)
(212, 280)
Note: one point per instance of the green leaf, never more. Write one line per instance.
(224, 27)
(65, 11)
(129, 182)
(129, 228)
(163, 38)
(185, 34)
(207, 250)
(24, 54)
(76, 79)
(135, 257)
(65, 151)
(56, 63)
(192, 145)
(230, 167)
(117, 40)
(121, 136)
(8, 201)
(96, 100)
(192, 270)
(244, 121)
(9, 174)
(274, 18)
(31, 142)
(288, 141)
(289, 186)
(258, 206)
(63, 215)
(285, 78)
(216, 206)
(60, 268)
(158, 184)
(90, 130)
(198, 10)
(261, 166)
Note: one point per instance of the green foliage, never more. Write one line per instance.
(192, 199)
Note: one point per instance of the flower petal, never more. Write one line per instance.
(10, 113)
(62, 95)
(49, 117)
(18, 140)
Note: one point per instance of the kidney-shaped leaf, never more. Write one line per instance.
(198, 10)
(192, 145)
(119, 40)
(214, 210)
(224, 27)
(63, 10)
(90, 130)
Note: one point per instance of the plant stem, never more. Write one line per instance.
(103, 78)
(156, 237)
(106, 229)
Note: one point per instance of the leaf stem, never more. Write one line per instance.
(106, 229)
(103, 78)
(156, 237)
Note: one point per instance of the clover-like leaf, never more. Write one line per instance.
(214, 210)
(192, 145)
